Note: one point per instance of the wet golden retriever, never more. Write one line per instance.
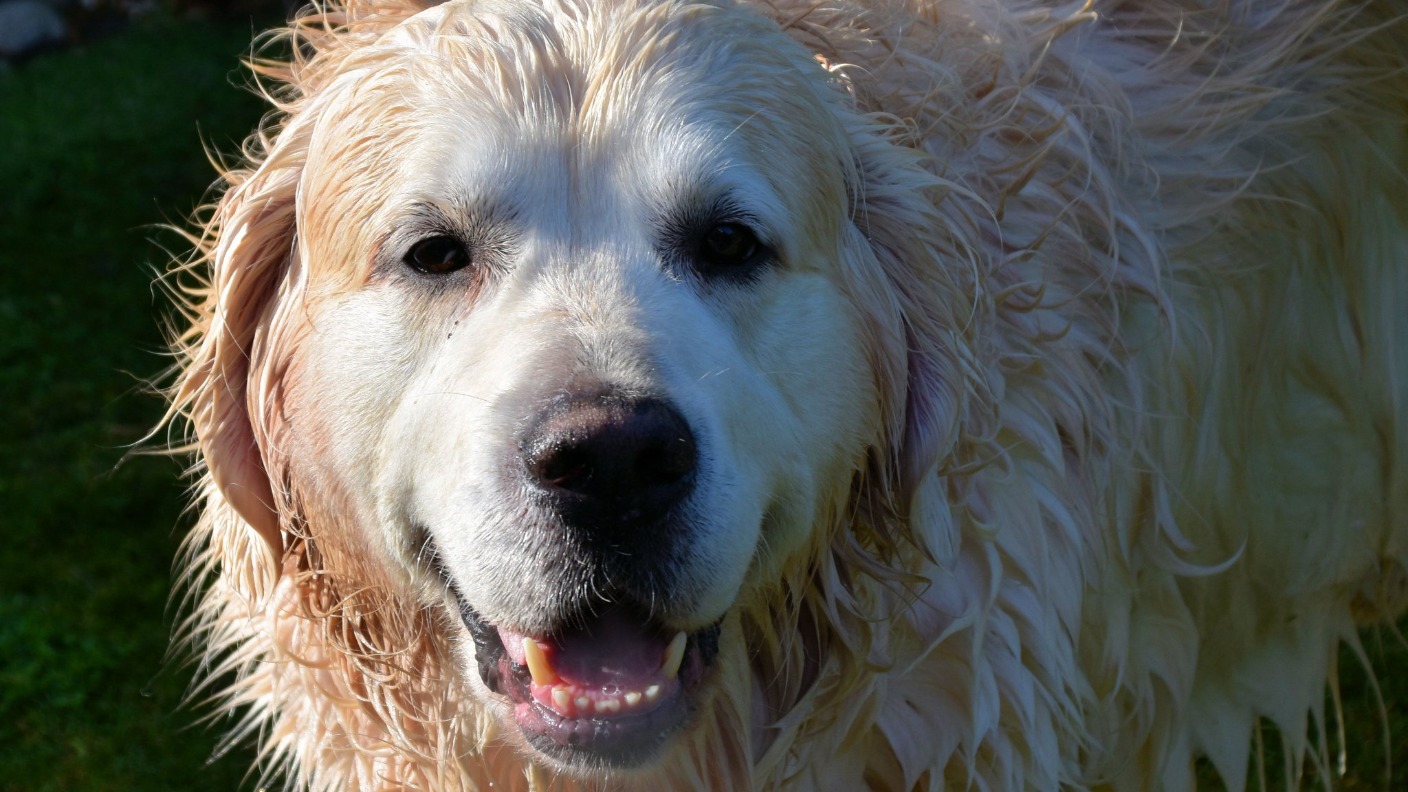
(898, 394)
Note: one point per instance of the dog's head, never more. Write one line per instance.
(587, 322)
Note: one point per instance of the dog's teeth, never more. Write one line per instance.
(608, 705)
(538, 664)
(652, 693)
(674, 655)
(632, 698)
(561, 700)
(583, 703)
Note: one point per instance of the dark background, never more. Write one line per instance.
(102, 140)
(103, 137)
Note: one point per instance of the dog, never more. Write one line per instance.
(873, 394)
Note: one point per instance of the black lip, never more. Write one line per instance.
(618, 742)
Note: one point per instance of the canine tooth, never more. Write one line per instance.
(674, 655)
(583, 702)
(561, 700)
(633, 698)
(608, 705)
(538, 664)
(652, 693)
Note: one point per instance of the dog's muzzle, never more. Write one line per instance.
(612, 679)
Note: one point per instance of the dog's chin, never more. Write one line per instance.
(611, 691)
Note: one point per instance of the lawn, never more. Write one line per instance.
(101, 144)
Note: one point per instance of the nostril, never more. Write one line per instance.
(667, 462)
(564, 467)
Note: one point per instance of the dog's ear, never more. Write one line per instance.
(918, 288)
(247, 243)
(913, 267)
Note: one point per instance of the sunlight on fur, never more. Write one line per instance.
(892, 395)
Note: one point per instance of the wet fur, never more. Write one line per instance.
(1129, 282)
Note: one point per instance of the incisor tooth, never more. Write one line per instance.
(582, 702)
(652, 693)
(633, 698)
(608, 705)
(538, 664)
(561, 700)
(674, 655)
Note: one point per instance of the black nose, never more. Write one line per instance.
(610, 463)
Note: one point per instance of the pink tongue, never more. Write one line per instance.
(614, 648)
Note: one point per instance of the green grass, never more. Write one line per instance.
(1367, 745)
(99, 143)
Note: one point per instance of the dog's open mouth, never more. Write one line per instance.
(612, 689)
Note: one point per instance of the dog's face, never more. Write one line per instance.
(575, 351)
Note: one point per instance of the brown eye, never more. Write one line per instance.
(438, 255)
(729, 247)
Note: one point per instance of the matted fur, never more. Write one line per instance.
(1127, 459)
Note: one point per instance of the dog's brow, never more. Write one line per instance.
(462, 212)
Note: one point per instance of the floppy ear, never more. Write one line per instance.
(246, 244)
(919, 292)
(912, 265)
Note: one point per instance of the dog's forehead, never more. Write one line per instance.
(676, 93)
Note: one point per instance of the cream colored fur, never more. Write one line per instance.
(1077, 405)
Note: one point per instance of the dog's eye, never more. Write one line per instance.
(438, 255)
(728, 247)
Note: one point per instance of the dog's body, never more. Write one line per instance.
(943, 394)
